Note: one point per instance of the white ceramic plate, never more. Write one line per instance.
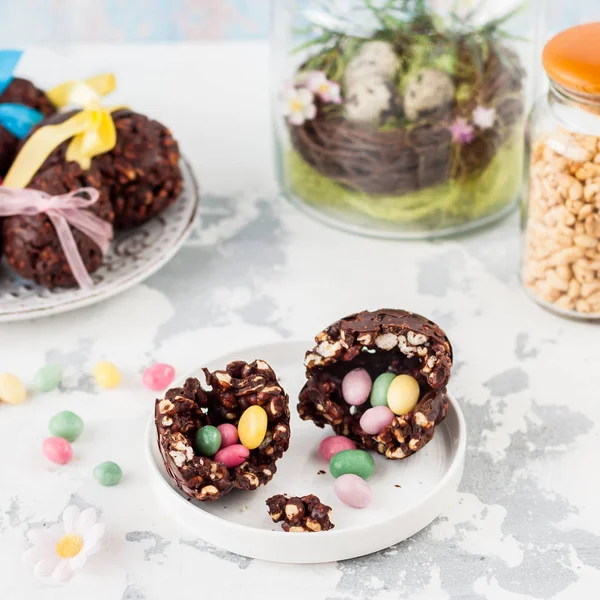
(134, 255)
(408, 494)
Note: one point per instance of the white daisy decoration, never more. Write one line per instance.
(484, 118)
(328, 91)
(299, 105)
(64, 548)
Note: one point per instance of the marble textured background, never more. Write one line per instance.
(51, 21)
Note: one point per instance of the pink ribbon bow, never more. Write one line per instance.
(63, 211)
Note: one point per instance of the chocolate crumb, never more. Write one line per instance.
(300, 515)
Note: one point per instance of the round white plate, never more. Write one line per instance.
(408, 494)
(134, 255)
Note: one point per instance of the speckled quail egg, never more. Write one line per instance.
(375, 59)
(429, 92)
(367, 100)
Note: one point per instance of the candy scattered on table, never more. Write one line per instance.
(403, 394)
(158, 377)
(357, 462)
(107, 375)
(48, 378)
(232, 456)
(57, 450)
(66, 425)
(353, 490)
(207, 441)
(229, 434)
(300, 515)
(380, 389)
(252, 427)
(333, 444)
(356, 387)
(108, 473)
(375, 419)
(62, 549)
(12, 391)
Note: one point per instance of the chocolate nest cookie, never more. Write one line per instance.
(184, 410)
(20, 91)
(31, 244)
(299, 515)
(141, 173)
(386, 340)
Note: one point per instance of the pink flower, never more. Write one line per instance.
(484, 118)
(328, 91)
(298, 105)
(462, 132)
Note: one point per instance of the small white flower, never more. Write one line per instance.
(484, 118)
(62, 549)
(299, 105)
(328, 91)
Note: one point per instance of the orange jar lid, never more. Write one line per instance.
(572, 58)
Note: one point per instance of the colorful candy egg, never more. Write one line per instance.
(66, 425)
(232, 456)
(375, 419)
(380, 389)
(12, 391)
(48, 377)
(108, 473)
(403, 394)
(333, 444)
(353, 490)
(252, 427)
(207, 441)
(158, 377)
(229, 434)
(357, 462)
(58, 450)
(107, 375)
(356, 387)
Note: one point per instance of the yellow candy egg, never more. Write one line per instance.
(252, 427)
(107, 375)
(12, 391)
(403, 394)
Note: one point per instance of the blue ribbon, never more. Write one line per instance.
(8, 62)
(19, 119)
(16, 118)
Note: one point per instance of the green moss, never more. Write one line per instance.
(449, 204)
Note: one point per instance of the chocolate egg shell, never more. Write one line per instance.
(183, 411)
(387, 340)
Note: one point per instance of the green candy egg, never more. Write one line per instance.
(357, 462)
(380, 387)
(47, 378)
(207, 441)
(66, 425)
(108, 473)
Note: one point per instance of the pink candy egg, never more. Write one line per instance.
(353, 490)
(57, 450)
(333, 444)
(158, 377)
(356, 387)
(375, 419)
(232, 456)
(229, 434)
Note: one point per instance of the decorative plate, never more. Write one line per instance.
(407, 494)
(134, 255)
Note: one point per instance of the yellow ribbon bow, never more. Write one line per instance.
(92, 130)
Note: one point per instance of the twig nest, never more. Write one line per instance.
(384, 341)
(375, 60)
(183, 411)
(429, 93)
(367, 100)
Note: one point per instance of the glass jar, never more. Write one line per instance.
(401, 118)
(561, 209)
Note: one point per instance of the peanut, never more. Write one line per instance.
(562, 258)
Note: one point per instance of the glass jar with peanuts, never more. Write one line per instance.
(561, 211)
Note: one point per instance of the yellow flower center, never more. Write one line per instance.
(69, 545)
(324, 88)
(296, 105)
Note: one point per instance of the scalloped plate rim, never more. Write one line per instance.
(119, 285)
